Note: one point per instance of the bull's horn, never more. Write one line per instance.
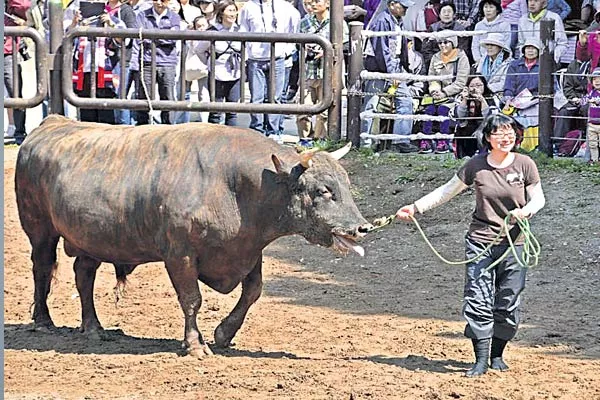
(306, 159)
(339, 153)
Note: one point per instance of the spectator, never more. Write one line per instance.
(593, 126)
(521, 89)
(107, 57)
(208, 7)
(370, 7)
(17, 10)
(529, 27)
(574, 89)
(492, 22)
(475, 103)
(588, 48)
(227, 61)
(447, 22)
(450, 60)
(166, 57)
(317, 23)
(427, 16)
(124, 13)
(467, 12)
(494, 64)
(390, 54)
(266, 16)
(291, 58)
(188, 12)
(513, 11)
(560, 7)
(589, 8)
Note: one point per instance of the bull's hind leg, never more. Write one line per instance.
(251, 291)
(184, 277)
(43, 255)
(85, 275)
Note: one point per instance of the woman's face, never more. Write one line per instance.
(446, 46)
(230, 14)
(503, 138)
(490, 11)
(492, 49)
(207, 8)
(530, 52)
(446, 14)
(476, 86)
(201, 24)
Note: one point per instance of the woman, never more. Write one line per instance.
(588, 48)
(448, 61)
(227, 61)
(492, 22)
(475, 102)
(447, 22)
(494, 64)
(521, 90)
(505, 183)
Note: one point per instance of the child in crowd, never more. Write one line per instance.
(593, 130)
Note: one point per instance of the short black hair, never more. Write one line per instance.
(491, 124)
(495, 3)
(448, 3)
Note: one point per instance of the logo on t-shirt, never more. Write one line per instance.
(515, 178)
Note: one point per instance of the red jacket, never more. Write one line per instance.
(18, 8)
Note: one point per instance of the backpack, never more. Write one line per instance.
(570, 146)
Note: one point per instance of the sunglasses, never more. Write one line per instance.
(161, 1)
(444, 42)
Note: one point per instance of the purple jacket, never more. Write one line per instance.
(166, 50)
(593, 98)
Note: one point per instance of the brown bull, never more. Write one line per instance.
(205, 199)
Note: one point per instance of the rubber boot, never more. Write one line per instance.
(482, 357)
(496, 355)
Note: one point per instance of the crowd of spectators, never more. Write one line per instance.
(505, 60)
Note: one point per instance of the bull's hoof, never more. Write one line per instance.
(94, 333)
(44, 326)
(199, 351)
(222, 339)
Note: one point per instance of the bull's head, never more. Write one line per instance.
(322, 207)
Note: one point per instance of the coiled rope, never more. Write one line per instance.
(531, 246)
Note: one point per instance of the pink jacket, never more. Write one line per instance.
(591, 51)
(18, 8)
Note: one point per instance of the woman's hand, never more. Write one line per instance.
(106, 20)
(438, 94)
(520, 214)
(76, 18)
(583, 38)
(406, 212)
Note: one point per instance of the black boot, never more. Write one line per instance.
(497, 349)
(482, 357)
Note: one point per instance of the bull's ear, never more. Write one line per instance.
(279, 165)
(339, 153)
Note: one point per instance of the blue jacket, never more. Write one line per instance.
(380, 51)
(166, 50)
(518, 78)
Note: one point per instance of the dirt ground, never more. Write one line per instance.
(386, 326)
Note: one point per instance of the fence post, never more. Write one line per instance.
(354, 87)
(336, 35)
(546, 87)
(55, 17)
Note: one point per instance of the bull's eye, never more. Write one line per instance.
(326, 193)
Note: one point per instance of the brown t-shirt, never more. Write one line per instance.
(497, 191)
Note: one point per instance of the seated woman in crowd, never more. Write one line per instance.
(494, 64)
(475, 102)
(450, 60)
(521, 89)
(492, 21)
(447, 22)
(513, 10)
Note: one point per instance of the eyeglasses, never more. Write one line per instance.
(161, 1)
(504, 134)
(444, 42)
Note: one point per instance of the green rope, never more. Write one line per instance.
(531, 246)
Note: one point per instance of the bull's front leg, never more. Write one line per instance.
(184, 277)
(251, 291)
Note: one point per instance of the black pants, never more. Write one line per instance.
(165, 79)
(18, 114)
(95, 115)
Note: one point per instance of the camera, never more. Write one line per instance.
(24, 50)
(311, 53)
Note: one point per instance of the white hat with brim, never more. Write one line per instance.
(405, 3)
(496, 39)
(531, 41)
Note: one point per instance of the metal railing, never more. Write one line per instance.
(41, 67)
(212, 37)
